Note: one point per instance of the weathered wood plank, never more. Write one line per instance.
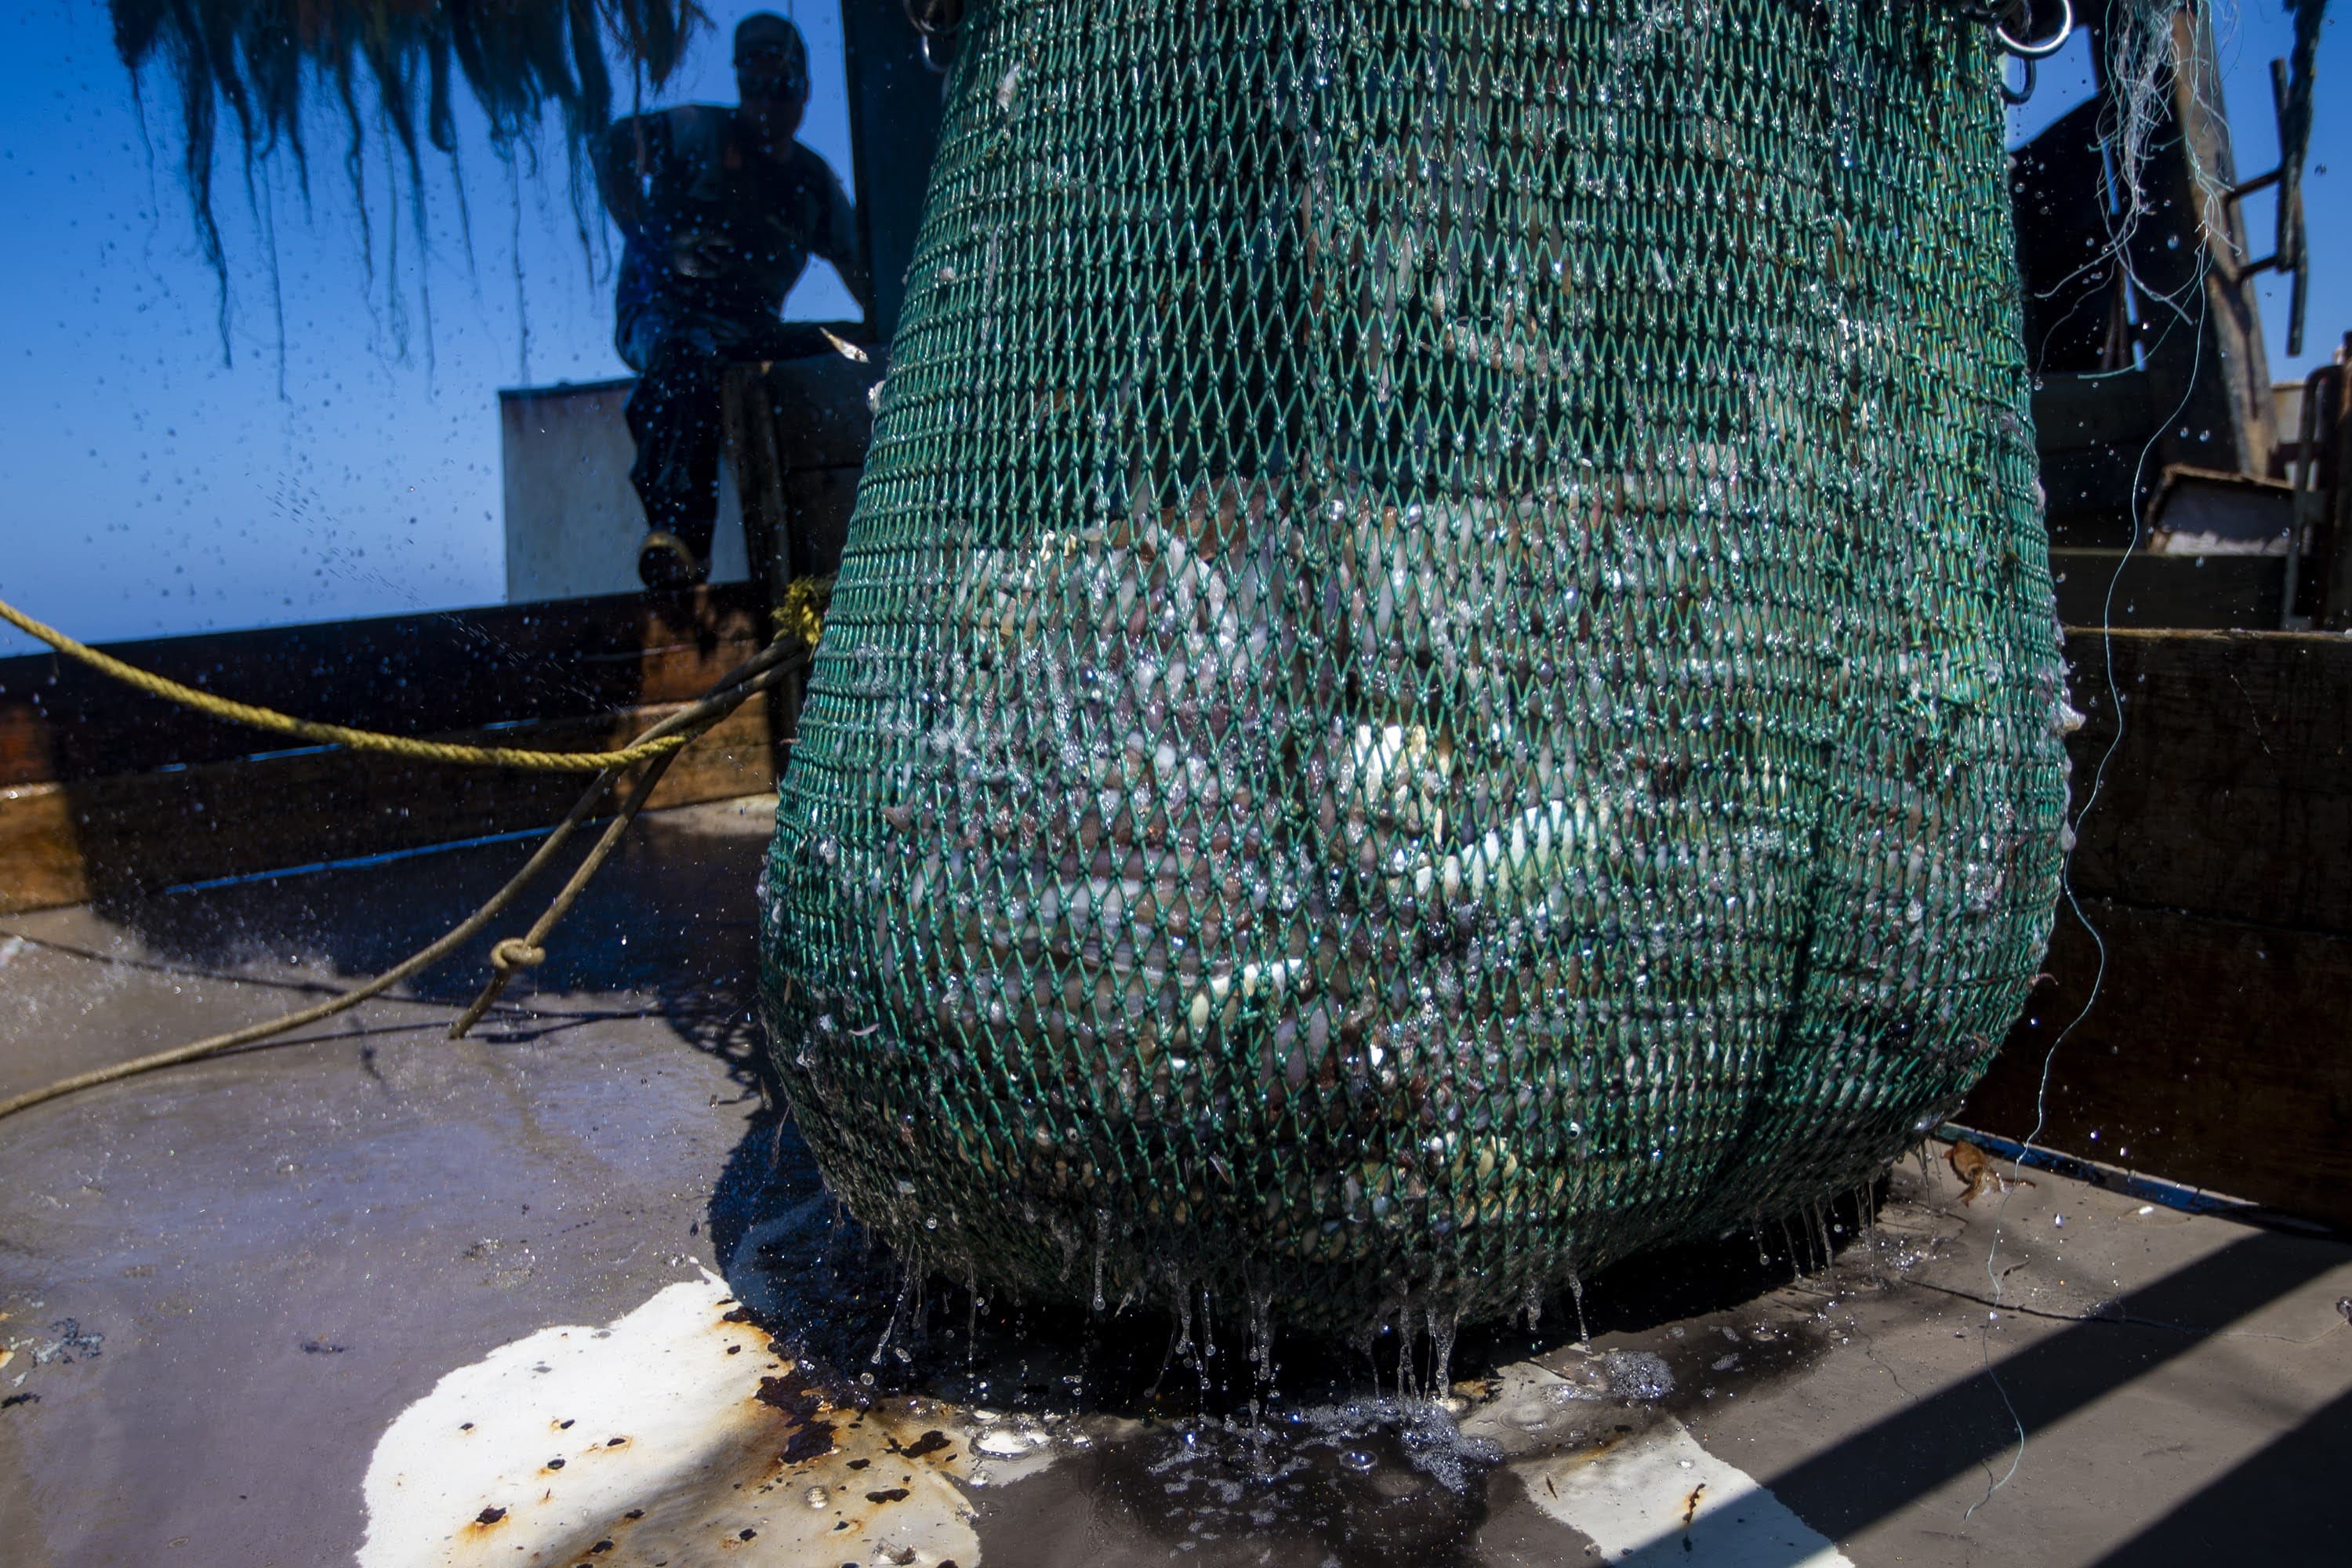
(747, 428)
(404, 674)
(2167, 593)
(2231, 791)
(41, 852)
(2215, 1053)
(2213, 865)
(93, 838)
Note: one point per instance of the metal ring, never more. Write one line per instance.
(929, 26)
(934, 37)
(2048, 47)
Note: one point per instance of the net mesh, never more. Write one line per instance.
(1445, 667)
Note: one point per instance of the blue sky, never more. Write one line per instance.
(2251, 34)
(153, 490)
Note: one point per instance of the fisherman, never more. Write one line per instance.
(719, 209)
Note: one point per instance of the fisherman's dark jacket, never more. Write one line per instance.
(726, 231)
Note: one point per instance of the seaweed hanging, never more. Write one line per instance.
(268, 63)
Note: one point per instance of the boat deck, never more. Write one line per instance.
(509, 1300)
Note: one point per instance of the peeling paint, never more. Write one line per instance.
(677, 1435)
(673, 1433)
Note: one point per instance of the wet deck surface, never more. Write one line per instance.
(359, 1296)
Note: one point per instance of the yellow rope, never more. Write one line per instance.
(759, 673)
(802, 613)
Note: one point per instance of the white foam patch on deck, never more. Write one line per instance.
(541, 1449)
(1634, 1502)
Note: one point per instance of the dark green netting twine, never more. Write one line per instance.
(1446, 667)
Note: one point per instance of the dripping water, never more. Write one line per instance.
(1102, 1245)
(1441, 1351)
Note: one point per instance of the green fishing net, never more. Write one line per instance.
(1445, 666)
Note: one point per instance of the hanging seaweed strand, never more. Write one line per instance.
(270, 63)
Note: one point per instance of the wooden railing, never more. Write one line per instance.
(105, 791)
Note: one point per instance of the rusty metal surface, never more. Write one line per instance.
(570, 1293)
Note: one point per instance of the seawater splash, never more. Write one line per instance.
(1442, 1332)
(1194, 1430)
(1641, 1375)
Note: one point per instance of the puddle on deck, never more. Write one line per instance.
(813, 1407)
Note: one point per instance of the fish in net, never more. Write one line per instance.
(1446, 667)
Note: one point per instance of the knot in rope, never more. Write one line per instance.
(514, 953)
